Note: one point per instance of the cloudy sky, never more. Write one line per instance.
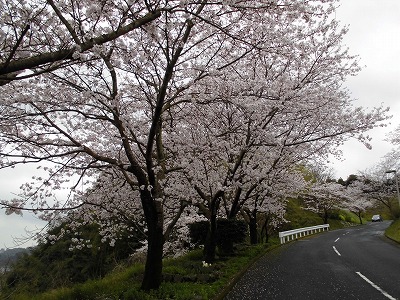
(374, 35)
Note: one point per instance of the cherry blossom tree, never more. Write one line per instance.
(394, 138)
(226, 168)
(108, 204)
(358, 198)
(381, 178)
(321, 198)
(267, 208)
(381, 186)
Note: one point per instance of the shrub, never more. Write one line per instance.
(228, 232)
(198, 232)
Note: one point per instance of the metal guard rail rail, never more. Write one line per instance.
(290, 235)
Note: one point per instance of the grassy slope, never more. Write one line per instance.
(393, 231)
(299, 217)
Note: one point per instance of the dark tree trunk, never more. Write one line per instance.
(325, 217)
(211, 240)
(265, 230)
(253, 228)
(266, 235)
(359, 217)
(154, 218)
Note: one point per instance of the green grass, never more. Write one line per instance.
(111, 286)
(393, 231)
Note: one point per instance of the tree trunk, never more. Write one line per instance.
(325, 217)
(359, 217)
(253, 228)
(264, 229)
(266, 235)
(211, 240)
(154, 218)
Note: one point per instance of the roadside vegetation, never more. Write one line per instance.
(393, 231)
(184, 278)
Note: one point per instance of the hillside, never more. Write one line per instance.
(7, 256)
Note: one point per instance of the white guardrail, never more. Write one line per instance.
(290, 235)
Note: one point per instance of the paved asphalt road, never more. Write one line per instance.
(352, 263)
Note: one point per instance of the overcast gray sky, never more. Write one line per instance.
(374, 35)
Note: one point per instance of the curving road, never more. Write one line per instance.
(351, 263)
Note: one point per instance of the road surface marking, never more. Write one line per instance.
(376, 287)
(337, 252)
(336, 240)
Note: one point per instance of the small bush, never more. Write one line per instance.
(198, 232)
(335, 215)
(228, 232)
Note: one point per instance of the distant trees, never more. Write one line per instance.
(324, 195)
(8, 256)
(322, 198)
(382, 189)
(358, 196)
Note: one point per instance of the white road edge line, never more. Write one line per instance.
(337, 252)
(376, 287)
(336, 240)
